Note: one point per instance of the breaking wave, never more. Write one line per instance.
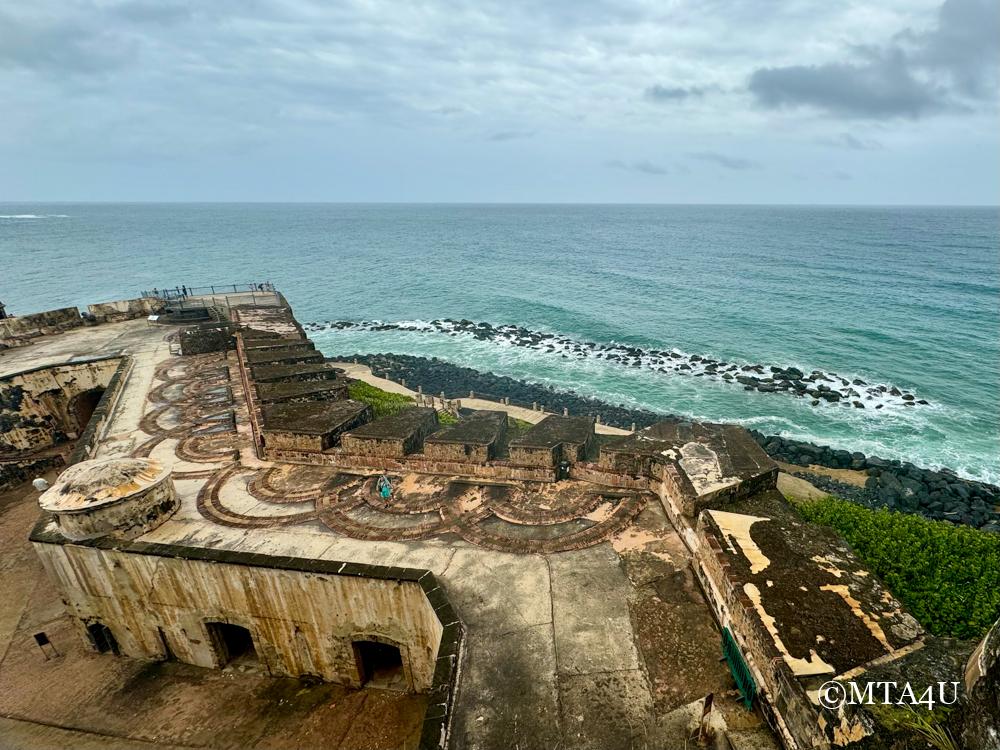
(818, 387)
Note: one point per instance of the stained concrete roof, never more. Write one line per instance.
(479, 428)
(825, 612)
(312, 418)
(269, 373)
(555, 430)
(275, 392)
(396, 426)
(291, 353)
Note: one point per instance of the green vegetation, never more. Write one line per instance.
(446, 417)
(383, 403)
(519, 424)
(947, 576)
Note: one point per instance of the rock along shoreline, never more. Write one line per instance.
(899, 485)
(821, 388)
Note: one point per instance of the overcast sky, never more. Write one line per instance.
(672, 101)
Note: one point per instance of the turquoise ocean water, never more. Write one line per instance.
(904, 296)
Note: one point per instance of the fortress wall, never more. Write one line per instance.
(302, 622)
(417, 463)
(125, 309)
(538, 456)
(15, 330)
(42, 407)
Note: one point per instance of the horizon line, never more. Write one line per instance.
(485, 203)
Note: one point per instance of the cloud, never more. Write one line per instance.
(658, 93)
(68, 47)
(642, 166)
(851, 142)
(911, 76)
(882, 87)
(728, 162)
(509, 135)
(839, 174)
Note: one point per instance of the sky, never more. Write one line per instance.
(651, 101)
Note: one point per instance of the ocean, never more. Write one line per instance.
(905, 297)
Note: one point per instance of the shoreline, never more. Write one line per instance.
(897, 485)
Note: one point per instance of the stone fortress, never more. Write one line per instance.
(538, 582)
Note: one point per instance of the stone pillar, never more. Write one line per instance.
(565, 412)
(534, 406)
(472, 394)
(420, 389)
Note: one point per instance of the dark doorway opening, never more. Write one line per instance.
(102, 638)
(83, 406)
(168, 653)
(231, 642)
(379, 664)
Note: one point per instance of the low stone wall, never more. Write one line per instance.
(19, 329)
(13, 473)
(591, 472)
(125, 309)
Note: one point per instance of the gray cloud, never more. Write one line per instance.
(152, 11)
(913, 75)
(509, 135)
(851, 142)
(642, 166)
(881, 87)
(728, 162)
(658, 93)
(57, 46)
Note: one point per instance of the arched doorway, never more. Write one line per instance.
(231, 643)
(82, 407)
(379, 665)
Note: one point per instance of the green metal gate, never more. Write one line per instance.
(738, 667)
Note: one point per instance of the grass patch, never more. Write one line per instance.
(446, 417)
(383, 403)
(947, 576)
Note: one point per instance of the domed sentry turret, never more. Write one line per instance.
(123, 497)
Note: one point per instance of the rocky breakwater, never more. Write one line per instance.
(934, 493)
(820, 388)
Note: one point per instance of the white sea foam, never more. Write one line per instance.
(34, 216)
(816, 386)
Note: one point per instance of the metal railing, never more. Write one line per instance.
(183, 291)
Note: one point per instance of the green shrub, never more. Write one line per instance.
(383, 403)
(947, 576)
(446, 417)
